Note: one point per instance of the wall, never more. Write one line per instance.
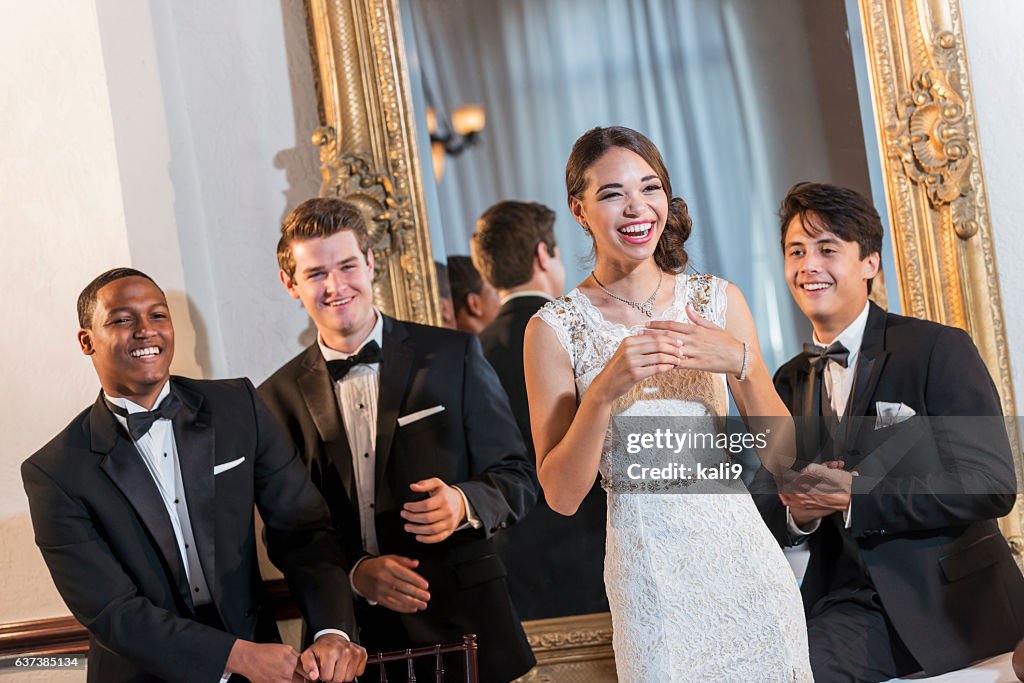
(994, 29)
(172, 137)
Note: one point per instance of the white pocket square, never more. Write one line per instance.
(225, 466)
(889, 414)
(418, 415)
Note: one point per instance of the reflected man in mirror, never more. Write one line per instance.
(408, 434)
(555, 563)
(143, 510)
(907, 571)
(474, 299)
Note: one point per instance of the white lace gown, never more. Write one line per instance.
(699, 589)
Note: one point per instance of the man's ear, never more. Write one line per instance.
(369, 261)
(474, 304)
(871, 264)
(85, 341)
(289, 284)
(542, 256)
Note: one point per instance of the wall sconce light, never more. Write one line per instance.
(462, 132)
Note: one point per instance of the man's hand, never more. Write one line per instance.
(332, 659)
(389, 580)
(437, 517)
(824, 489)
(263, 662)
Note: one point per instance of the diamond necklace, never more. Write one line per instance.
(647, 307)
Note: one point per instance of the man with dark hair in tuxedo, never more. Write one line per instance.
(474, 299)
(555, 563)
(143, 510)
(408, 434)
(908, 570)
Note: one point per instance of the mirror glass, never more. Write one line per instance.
(744, 98)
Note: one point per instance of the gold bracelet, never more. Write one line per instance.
(746, 363)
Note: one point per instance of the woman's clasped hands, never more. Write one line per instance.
(667, 345)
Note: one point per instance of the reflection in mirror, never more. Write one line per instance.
(744, 98)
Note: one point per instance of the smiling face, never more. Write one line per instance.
(827, 277)
(624, 205)
(334, 280)
(130, 339)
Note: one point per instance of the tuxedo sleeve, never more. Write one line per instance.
(502, 487)
(763, 488)
(300, 539)
(976, 480)
(103, 597)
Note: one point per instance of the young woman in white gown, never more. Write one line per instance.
(698, 587)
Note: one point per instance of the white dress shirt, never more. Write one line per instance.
(839, 387)
(524, 293)
(159, 453)
(358, 393)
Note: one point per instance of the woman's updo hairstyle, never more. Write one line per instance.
(670, 255)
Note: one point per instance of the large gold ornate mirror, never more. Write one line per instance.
(916, 152)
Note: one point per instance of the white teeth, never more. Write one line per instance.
(148, 351)
(340, 302)
(815, 286)
(637, 229)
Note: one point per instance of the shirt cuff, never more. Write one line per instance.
(325, 631)
(848, 514)
(472, 521)
(352, 584)
(796, 532)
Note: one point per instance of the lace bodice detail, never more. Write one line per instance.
(591, 341)
(697, 585)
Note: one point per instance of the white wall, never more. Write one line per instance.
(171, 137)
(994, 30)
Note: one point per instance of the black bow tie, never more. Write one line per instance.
(370, 353)
(817, 355)
(139, 423)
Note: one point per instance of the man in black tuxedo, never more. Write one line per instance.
(408, 434)
(555, 563)
(474, 299)
(908, 570)
(143, 510)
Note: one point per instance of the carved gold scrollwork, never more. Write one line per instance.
(367, 145)
(935, 189)
(930, 140)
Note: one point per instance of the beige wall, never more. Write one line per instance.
(171, 137)
(994, 30)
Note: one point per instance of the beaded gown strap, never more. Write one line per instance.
(707, 295)
(562, 316)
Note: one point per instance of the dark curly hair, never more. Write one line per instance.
(670, 254)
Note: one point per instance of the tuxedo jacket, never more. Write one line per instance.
(543, 583)
(925, 503)
(107, 540)
(473, 443)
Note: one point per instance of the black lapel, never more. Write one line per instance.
(394, 378)
(193, 436)
(806, 398)
(870, 362)
(317, 391)
(123, 464)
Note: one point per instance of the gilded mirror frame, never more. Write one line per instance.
(925, 125)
